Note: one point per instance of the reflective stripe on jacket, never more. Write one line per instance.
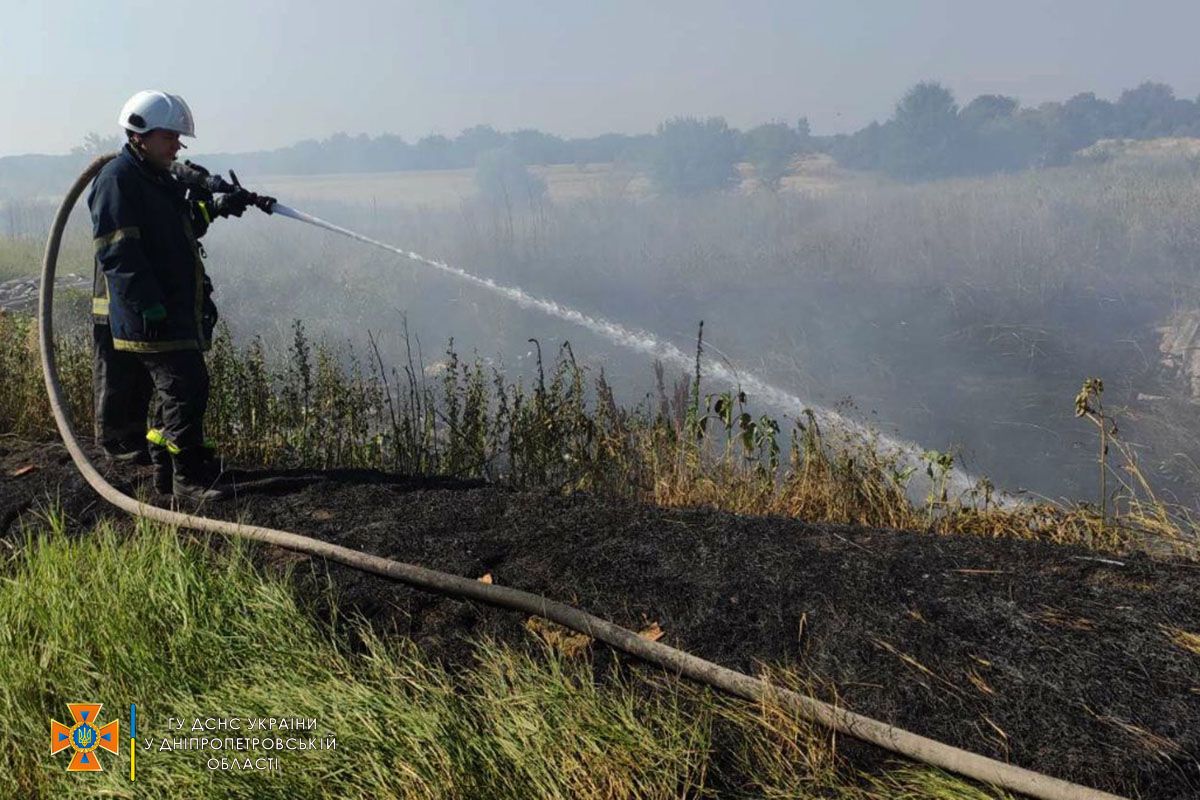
(145, 234)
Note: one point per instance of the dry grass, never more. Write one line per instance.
(1186, 639)
(1167, 147)
(323, 407)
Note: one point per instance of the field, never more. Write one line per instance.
(24, 223)
(564, 184)
(1060, 634)
(445, 188)
(19, 258)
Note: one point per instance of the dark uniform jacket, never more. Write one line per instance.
(146, 232)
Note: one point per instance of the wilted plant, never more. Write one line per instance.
(1089, 404)
(937, 467)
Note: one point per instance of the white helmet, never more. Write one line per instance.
(152, 109)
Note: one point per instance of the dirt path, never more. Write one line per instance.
(1039, 654)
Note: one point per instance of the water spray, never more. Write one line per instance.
(910, 456)
(909, 453)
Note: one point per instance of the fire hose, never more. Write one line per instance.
(908, 744)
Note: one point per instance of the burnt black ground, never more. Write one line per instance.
(952, 637)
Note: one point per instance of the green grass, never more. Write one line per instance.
(184, 629)
(24, 408)
(187, 633)
(21, 256)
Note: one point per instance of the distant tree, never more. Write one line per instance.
(94, 144)
(432, 152)
(862, 149)
(345, 153)
(605, 148)
(690, 155)
(770, 148)
(1088, 119)
(535, 147)
(924, 133)
(803, 130)
(988, 108)
(993, 137)
(1151, 110)
(1055, 144)
(473, 142)
(389, 152)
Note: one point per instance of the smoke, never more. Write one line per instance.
(960, 315)
(651, 345)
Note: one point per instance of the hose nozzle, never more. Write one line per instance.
(261, 201)
(197, 176)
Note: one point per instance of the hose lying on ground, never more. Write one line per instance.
(911, 745)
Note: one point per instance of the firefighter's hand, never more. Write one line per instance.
(233, 204)
(152, 321)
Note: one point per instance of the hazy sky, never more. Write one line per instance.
(266, 74)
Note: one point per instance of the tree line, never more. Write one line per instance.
(927, 136)
(930, 136)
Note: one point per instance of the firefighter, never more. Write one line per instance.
(153, 293)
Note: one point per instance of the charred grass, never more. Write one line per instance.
(1055, 658)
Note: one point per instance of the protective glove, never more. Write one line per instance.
(152, 321)
(233, 204)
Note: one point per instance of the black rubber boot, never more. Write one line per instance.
(164, 469)
(194, 480)
(126, 452)
(211, 456)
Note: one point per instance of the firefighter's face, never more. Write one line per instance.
(160, 146)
